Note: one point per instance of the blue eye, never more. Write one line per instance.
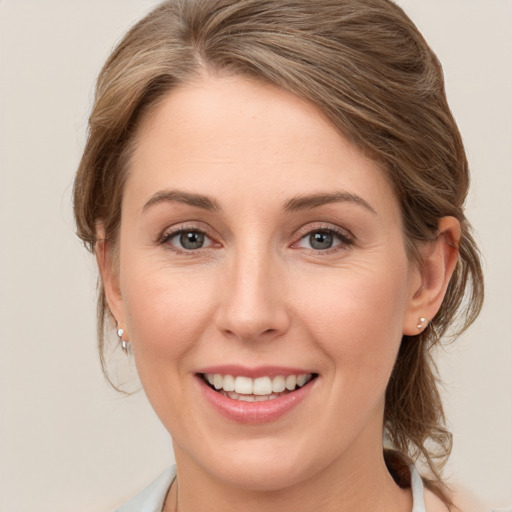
(188, 240)
(323, 240)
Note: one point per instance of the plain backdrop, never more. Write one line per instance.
(68, 442)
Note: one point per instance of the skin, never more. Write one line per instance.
(258, 293)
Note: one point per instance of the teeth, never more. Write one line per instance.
(278, 384)
(262, 386)
(243, 385)
(291, 382)
(302, 379)
(246, 398)
(250, 398)
(228, 383)
(259, 389)
(218, 381)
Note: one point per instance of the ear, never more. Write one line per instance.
(432, 276)
(109, 272)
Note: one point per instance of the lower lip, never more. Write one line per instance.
(254, 412)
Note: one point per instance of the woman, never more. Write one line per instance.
(274, 192)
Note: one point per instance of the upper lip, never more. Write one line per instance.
(253, 372)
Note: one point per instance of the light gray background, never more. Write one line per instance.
(67, 441)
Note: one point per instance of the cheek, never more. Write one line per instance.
(356, 317)
(166, 311)
(167, 314)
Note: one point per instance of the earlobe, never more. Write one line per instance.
(109, 277)
(438, 261)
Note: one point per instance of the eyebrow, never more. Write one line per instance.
(294, 204)
(317, 200)
(180, 196)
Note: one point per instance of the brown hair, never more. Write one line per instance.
(366, 66)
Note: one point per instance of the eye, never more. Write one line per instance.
(323, 240)
(187, 240)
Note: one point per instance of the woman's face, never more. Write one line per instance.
(259, 248)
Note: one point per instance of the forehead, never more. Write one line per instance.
(227, 134)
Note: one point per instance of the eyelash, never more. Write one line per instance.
(345, 239)
(167, 236)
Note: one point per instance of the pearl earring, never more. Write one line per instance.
(124, 344)
(421, 323)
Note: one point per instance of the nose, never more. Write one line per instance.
(253, 305)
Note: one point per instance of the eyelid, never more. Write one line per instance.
(173, 231)
(346, 238)
(324, 226)
(344, 235)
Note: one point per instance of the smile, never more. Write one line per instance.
(259, 389)
(255, 395)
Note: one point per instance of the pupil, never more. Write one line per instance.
(321, 240)
(192, 240)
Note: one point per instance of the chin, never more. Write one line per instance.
(265, 466)
(262, 476)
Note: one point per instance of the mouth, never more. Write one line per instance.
(260, 389)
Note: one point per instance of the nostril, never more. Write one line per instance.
(250, 331)
(252, 307)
